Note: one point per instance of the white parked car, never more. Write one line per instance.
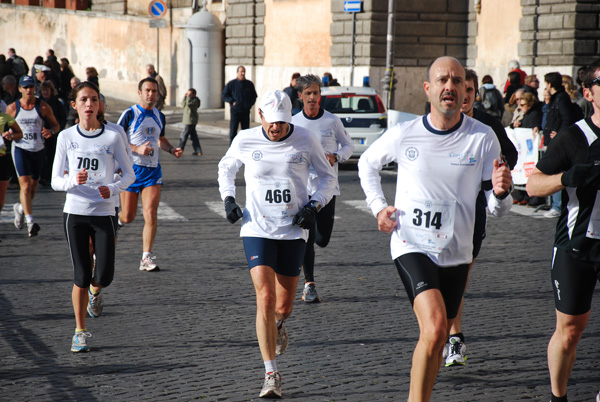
(361, 111)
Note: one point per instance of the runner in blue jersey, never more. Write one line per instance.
(145, 128)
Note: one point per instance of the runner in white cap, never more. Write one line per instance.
(276, 217)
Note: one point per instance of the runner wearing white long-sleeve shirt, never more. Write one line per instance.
(276, 217)
(338, 148)
(444, 159)
(84, 165)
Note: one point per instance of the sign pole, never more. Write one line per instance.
(352, 50)
(157, 51)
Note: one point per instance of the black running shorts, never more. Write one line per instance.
(419, 273)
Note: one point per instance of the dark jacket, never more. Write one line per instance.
(561, 114)
(240, 92)
(508, 148)
(533, 117)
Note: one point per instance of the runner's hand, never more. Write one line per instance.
(233, 211)
(384, 221)
(306, 217)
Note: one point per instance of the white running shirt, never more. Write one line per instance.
(99, 152)
(276, 173)
(334, 139)
(31, 123)
(439, 176)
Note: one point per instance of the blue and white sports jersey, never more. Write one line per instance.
(143, 126)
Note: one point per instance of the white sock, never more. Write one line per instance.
(20, 209)
(271, 366)
(29, 219)
(145, 254)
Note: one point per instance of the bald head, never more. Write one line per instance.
(445, 89)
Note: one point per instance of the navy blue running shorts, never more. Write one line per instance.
(284, 256)
(28, 163)
(419, 273)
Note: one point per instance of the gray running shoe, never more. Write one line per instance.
(147, 264)
(309, 294)
(19, 216)
(33, 229)
(79, 343)
(282, 340)
(272, 386)
(457, 353)
(96, 303)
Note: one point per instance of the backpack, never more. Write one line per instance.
(19, 66)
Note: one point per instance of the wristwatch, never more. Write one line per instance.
(337, 157)
(315, 204)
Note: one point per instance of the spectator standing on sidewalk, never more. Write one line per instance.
(162, 89)
(191, 103)
(570, 166)
(241, 95)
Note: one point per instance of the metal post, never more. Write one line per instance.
(389, 80)
(352, 50)
(157, 52)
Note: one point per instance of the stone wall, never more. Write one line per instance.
(424, 30)
(559, 32)
(245, 31)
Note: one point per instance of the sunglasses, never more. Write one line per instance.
(596, 81)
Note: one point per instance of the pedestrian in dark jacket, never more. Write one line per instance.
(191, 103)
(241, 95)
(562, 111)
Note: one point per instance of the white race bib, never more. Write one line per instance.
(593, 229)
(278, 201)
(427, 224)
(95, 165)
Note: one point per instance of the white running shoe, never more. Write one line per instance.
(272, 386)
(553, 213)
(147, 264)
(96, 303)
(457, 353)
(282, 340)
(309, 294)
(79, 342)
(19, 216)
(446, 349)
(598, 397)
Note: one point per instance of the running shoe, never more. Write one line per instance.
(457, 353)
(147, 264)
(19, 216)
(553, 213)
(79, 343)
(598, 397)
(282, 340)
(272, 386)
(96, 303)
(309, 294)
(33, 229)
(446, 349)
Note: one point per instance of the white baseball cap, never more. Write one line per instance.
(276, 106)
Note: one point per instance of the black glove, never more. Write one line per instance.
(581, 175)
(305, 218)
(232, 210)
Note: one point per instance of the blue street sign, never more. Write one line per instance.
(157, 8)
(352, 6)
